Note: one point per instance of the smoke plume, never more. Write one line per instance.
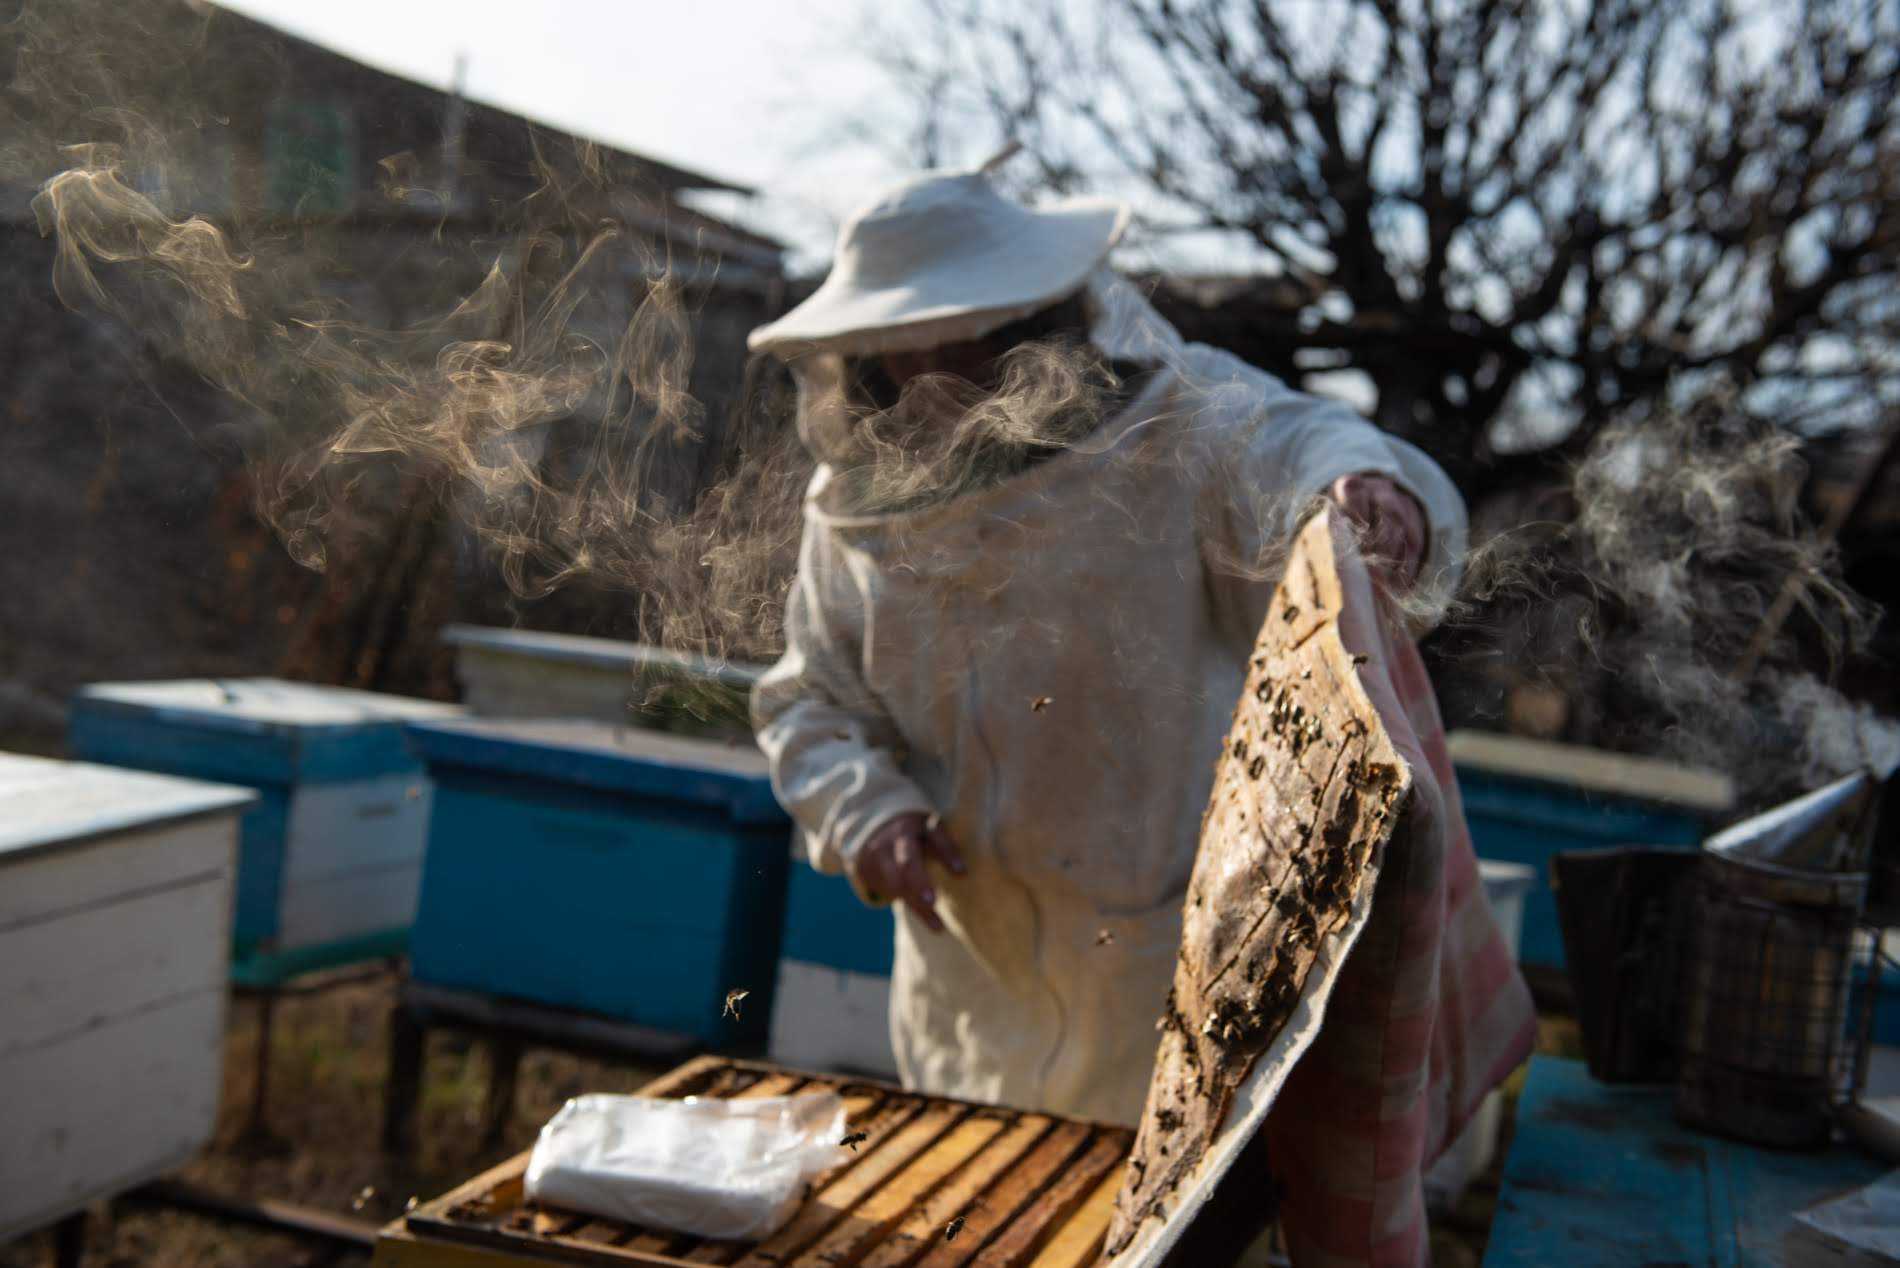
(536, 385)
(1682, 528)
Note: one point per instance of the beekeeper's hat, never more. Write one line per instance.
(943, 258)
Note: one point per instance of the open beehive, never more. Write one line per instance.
(933, 1182)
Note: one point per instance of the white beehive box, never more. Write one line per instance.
(330, 862)
(531, 674)
(115, 912)
(833, 1007)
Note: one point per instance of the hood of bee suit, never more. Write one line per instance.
(941, 258)
(1122, 325)
(944, 257)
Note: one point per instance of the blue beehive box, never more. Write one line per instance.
(1526, 800)
(330, 857)
(834, 978)
(629, 874)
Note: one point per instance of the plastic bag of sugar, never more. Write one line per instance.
(730, 1169)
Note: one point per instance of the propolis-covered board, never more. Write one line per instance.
(1308, 792)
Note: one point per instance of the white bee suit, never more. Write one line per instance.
(1119, 583)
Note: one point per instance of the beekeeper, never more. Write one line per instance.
(999, 709)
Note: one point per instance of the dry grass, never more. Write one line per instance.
(327, 1074)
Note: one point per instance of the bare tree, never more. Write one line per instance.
(1518, 219)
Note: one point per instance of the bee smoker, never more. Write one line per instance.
(1765, 985)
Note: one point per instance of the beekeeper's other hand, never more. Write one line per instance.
(891, 864)
(1391, 521)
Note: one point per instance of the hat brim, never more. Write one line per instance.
(955, 300)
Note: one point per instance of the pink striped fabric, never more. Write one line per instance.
(1429, 1013)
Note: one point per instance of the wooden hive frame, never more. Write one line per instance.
(1308, 791)
(1029, 1190)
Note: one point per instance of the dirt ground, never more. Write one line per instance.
(327, 1075)
(326, 1094)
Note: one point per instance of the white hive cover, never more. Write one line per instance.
(46, 803)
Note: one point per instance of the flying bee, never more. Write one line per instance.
(1104, 937)
(1041, 703)
(733, 997)
(855, 1139)
(951, 1229)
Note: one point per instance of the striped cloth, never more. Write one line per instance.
(1429, 1013)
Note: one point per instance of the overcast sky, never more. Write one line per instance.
(754, 91)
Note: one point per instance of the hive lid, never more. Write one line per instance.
(601, 653)
(611, 758)
(1822, 831)
(1649, 779)
(262, 705)
(46, 803)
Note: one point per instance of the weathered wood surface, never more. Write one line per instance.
(824, 1017)
(47, 804)
(1602, 1174)
(1307, 793)
(1008, 1184)
(353, 858)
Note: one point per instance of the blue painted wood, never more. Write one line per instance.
(1886, 1005)
(826, 924)
(1527, 821)
(650, 765)
(212, 748)
(1603, 1175)
(642, 896)
(265, 969)
(260, 877)
(270, 736)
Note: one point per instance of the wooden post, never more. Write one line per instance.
(504, 1063)
(69, 1240)
(257, 1139)
(403, 1091)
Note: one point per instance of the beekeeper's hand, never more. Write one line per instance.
(891, 864)
(1391, 521)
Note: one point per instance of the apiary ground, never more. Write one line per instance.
(326, 1103)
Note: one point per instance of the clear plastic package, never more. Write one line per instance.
(729, 1169)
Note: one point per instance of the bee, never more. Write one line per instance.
(362, 1197)
(855, 1139)
(1104, 937)
(951, 1229)
(733, 997)
(1040, 703)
